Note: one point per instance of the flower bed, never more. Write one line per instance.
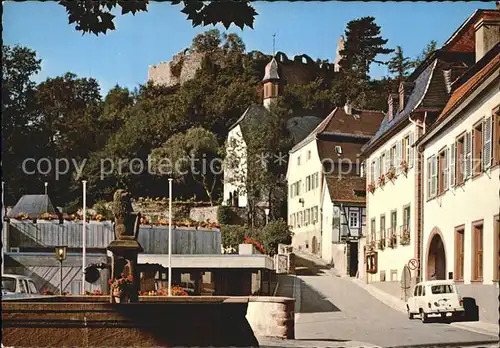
(176, 291)
(255, 243)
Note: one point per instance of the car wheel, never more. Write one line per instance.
(423, 317)
(410, 314)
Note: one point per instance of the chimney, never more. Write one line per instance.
(487, 35)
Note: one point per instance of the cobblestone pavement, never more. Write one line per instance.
(337, 312)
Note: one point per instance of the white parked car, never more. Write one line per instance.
(18, 286)
(435, 297)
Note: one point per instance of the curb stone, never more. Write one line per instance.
(399, 305)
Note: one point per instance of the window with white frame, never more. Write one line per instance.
(354, 219)
(308, 155)
(298, 161)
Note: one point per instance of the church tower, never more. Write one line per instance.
(271, 83)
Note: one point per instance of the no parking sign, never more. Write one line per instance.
(413, 264)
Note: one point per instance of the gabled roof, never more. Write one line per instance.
(299, 127)
(312, 135)
(421, 85)
(463, 87)
(463, 39)
(34, 206)
(345, 189)
(359, 124)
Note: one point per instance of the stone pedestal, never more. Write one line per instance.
(124, 260)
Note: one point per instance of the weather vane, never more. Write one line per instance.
(274, 41)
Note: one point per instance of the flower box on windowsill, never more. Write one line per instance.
(404, 167)
(381, 180)
(391, 174)
(405, 238)
(393, 242)
(381, 244)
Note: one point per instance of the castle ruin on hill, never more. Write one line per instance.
(299, 69)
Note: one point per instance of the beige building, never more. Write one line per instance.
(461, 176)
(326, 195)
(394, 182)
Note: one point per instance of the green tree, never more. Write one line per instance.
(208, 42)
(257, 166)
(192, 153)
(400, 65)
(427, 51)
(69, 110)
(362, 45)
(96, 17)
(274, 233)
(19, 119)
(114, 110)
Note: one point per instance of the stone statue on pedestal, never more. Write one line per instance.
(125, 249)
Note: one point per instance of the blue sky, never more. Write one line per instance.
(123, 56)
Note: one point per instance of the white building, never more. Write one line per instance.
(461, 175)
(329, 154)
(237, 161)
(393, 168)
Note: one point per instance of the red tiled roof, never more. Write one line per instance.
(343, 189)
(461, 92)
(463, 40)
(350, 150)
(366, 124)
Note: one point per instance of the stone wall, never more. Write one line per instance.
(162, 73)
(204, 214)
(299, 69)
(155, 321)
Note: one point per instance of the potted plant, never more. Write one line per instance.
(393, 241)
(381, 244)
(404, 166)
(381, 180)
(405, 236)
(391, 174)
(120, 288)
(371, 188)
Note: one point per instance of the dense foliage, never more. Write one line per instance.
(113, 141)
(95, 16)
(274, 233)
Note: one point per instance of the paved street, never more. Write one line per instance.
(334, 309)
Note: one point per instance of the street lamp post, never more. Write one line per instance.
(169, 237)
(3, 223)
(84, 235)
(267, 215)
(60, 256)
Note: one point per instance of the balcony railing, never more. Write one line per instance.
(392, 237)
(404, 235)
(381, 242)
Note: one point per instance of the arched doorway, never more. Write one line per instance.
(436, 258)
(314, 245)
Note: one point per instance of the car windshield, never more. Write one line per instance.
(442, 289)
(9, 284)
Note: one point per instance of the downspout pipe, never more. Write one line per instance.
(419, 201)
